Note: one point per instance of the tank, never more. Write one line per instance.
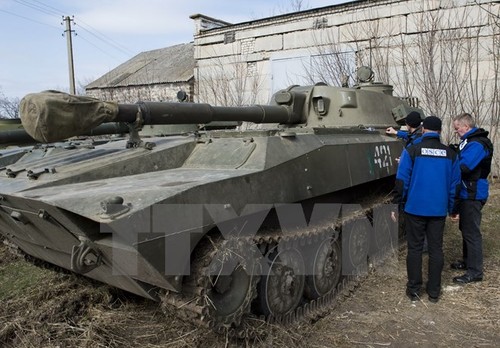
(218, 226)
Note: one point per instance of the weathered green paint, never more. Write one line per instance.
(335, 141)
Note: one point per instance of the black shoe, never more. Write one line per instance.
(433, 299)
(413, 296)
(464, 279)
(458, 265)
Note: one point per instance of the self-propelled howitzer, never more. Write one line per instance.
(222, 224)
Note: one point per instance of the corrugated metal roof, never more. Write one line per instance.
(164, 65)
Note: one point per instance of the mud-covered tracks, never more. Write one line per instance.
(281, 277)
(230, 279)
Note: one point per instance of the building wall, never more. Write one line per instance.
(445, 52)
(155, 92)
(363, 29)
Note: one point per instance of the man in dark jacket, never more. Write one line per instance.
(427, 183)
(414, 123)
(475, 155)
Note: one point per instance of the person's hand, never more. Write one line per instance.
(391, 130)
(393, 216)
(454, 217)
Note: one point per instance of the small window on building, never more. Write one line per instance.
(320, 23)
(251, 69)
(229, 37)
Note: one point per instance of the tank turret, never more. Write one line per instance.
(52, 116)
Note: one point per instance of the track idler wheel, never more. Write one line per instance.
(232, 278)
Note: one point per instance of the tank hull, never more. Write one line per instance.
(49, 217)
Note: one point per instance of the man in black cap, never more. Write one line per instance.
(411, 136)
(413, 122)
(427, 183)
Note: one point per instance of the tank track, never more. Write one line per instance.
(192, 305)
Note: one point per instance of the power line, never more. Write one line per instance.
(79, 36)
(95, 33)
(52, 11)
(57, 11)
(39, 8)
(29, 19)
(48, 11)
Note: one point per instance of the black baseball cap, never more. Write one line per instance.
(413, 119)
(432, 123)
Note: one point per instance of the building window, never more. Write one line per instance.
(320, 23)
(251, 69)
(229, 37)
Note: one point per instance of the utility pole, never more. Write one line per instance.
(68, 31)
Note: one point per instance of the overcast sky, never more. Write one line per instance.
(34, 56)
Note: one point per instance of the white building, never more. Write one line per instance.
(446, 52)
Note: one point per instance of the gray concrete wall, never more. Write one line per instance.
(360, 27)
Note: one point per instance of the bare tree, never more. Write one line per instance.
(298, 5)
(330, 62)
(230, 81)
(451, 66)
(444, 60)
(367, 43)
(81, 84)
(374, 41)
(287, 6)
(9, 107)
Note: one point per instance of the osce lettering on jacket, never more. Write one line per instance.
(462, 144)
(433, 152)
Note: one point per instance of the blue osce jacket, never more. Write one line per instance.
(428, 178)
(410, 138)
(475, 154)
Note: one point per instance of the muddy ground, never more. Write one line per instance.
(44, 308)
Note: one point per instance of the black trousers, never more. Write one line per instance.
(417, 228)
(470, 226)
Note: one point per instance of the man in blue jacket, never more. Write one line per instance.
(475, 155)
(427, 184)
(413, 122)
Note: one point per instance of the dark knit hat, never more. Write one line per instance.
(413, 119)
(432, 123)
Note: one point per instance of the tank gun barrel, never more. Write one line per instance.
(52, 116)
(182, 113)
(15, 137)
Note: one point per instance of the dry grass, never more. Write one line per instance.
(40, 307)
